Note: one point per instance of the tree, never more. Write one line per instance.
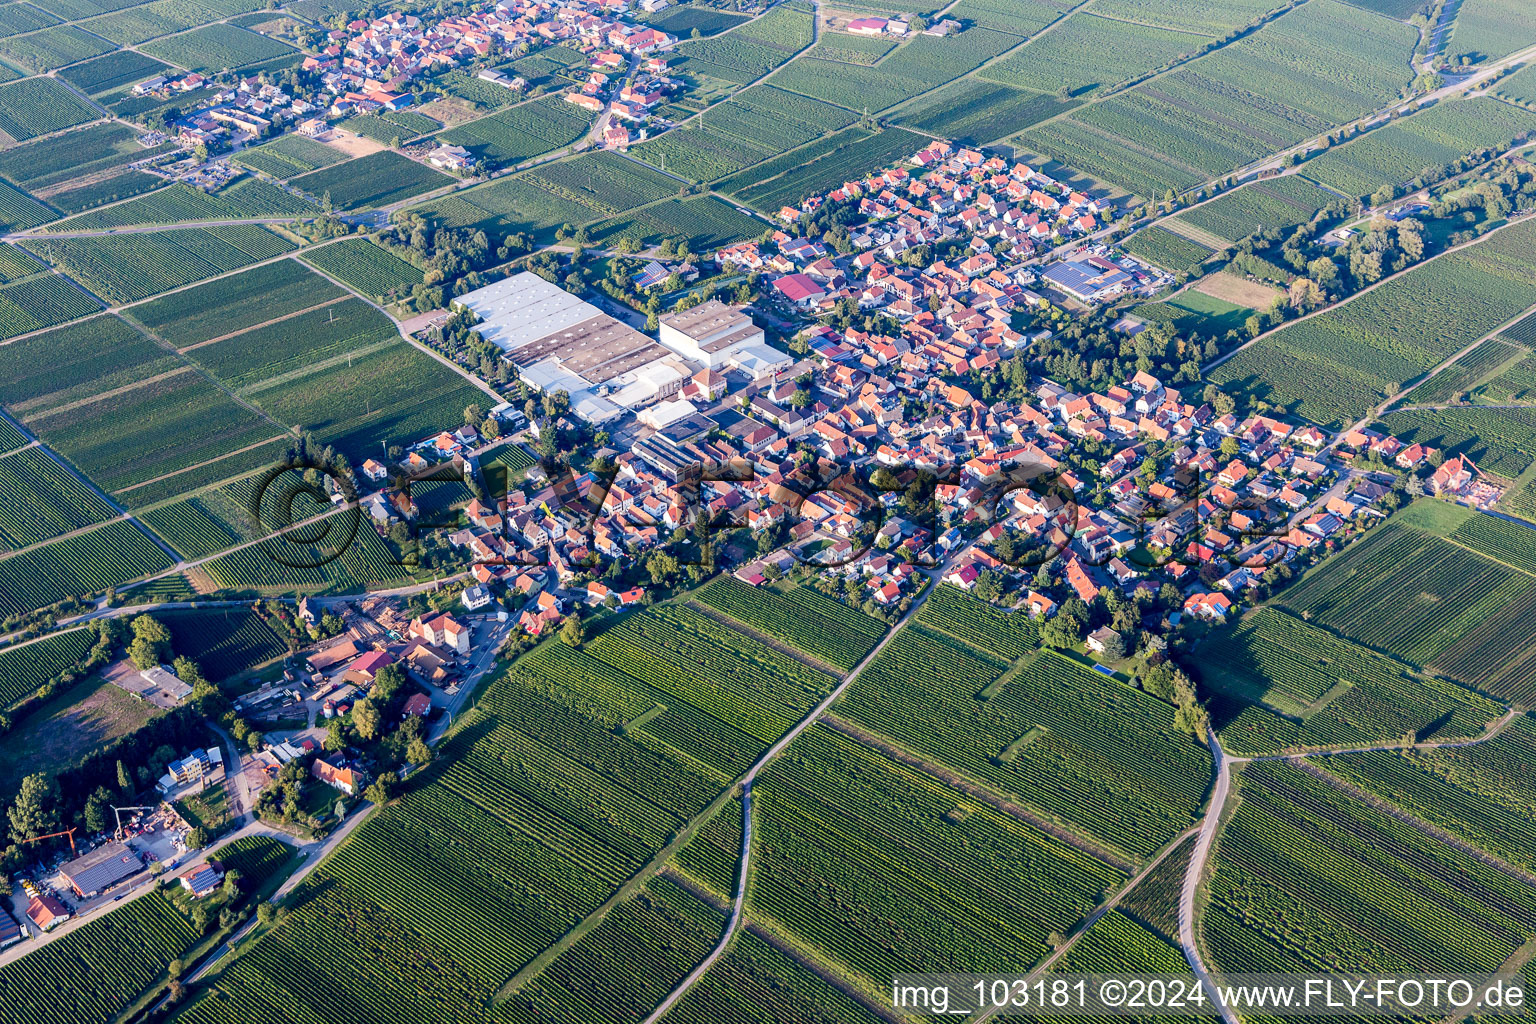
(335, 735)
(36, 809)
(197, 838)
(231, 885)
(572, 633)
(1230, 447)
(1062, 632)
(379, 792)
(367, 719)
(98, 807)
(386, 683)
(266, 913)
(151, 642)
(418, 752)
(124, 783)
(1305, 295)
(1114, 646)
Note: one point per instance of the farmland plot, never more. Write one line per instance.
(1500, 441)
(108, 556)
(53, 48)
(1431, 138)
(104, 965)
(1278, 203)
(212, 520)
(24, 669)
(980, 112)
(288, 155)
(123, 268)
(910, 69)
(1010, 16)
(223, 641)
(1095, 736)
(42, 301)
(287, 565)
(880, 869)
(705, 222)
(371, 269)
(819, 626)
(163, 17)
(110, 189)
(1282, 683)
(1301, 862)
(112, 71)
(377, 179)
(526, 130)
(1086, 53)
(261, 358)
(19, 17)
(181, 203)
(39, 165)
(1005, 634)
(748, 52)
(1453, 592)
(1162, 248)
(1331, 368)
(1517, 383)
(1461, 375)
(75, 10)
(39, 499)
(1189, 15)
(860, 156)
(1491, 28)
(38, 106)
(216, 48)
(234, 303)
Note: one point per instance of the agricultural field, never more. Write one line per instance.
(211, 520)
(757, 982)
(1480, 794)
(1360, 593)
(42, 301)
(828, 631)
(851, 49)
(1008, 16)
(289, 566)
(752, 126)
(162, 17)
(1428, 140)
(19, 17)
(387, 126)
(1004, 634)
(980, 112)
(1500, 441)
(235, 303)
(1276, 204)
(1086, 53)
(1517, 382)
(1462, 375)
(369, 268)
(180, 203)
(712, 858)
(1052, 733)
(1487, 29)
(1191, 15)
(38, 106)
(1162, 248)
(223, 641)
(289, 155)
(751, 50)
(108, 556)
(41, 165)
(706, 222)
(52, 735)
(52, 48)
(19, 211)
(216, 48)
(681, 21)
(42, 500)
(1332, 367)
(111, 72)
(377, 179)
(520, 132)
(104, 964)
(257, 360)
(912, 68)
(1307, 877)
(24, 669)
(1281, 683)
(925, 880)
(124, 268)
(124, 185)
(783, 183)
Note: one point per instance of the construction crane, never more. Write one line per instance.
(55, 835)
(117, 833)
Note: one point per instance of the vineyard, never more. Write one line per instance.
(42, 500)
(1282, 683)
(881, 870)
(370, 269)
(63, 157)
(1508, 542)
(215, 48)
(1308, 878)
(111, 72)
(377, 179)
(756, 983)
(820, 626)
(24, 669)
(181, 203)
(1277, 204)
(102, 966)
(1087, 53)
(1006, 635)
(223, 641)
(713, 857)
(365, 561)
(1461, 375)
(748, 52)
(53, 48)
(123, 268)
(123, 185)
(1490, 28)
(980, 111)
(1332, 367)
(911, 69)
(38, 106)
(42, 301)
(522, 131)
(104, 557)
(1106, 760)
(1490, 813)
(288, 155)
(821, 167)
(1517, 383)
(1431, 138)
(262, 359)
(705, 223)
(725, 673)
(19, 211)
(1162, 248)
(234, 303)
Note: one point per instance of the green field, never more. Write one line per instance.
(234, 303)
(1461, 375)
(38, 106)
(831, 632)
(40, 499)
(100, 191)
(706, 223)
(107, 556)
(526, 130)
(980, 112)
(1278, 204)
(216, 48)
(181, 203)
(24, 669)
(53, 48)
(1500, 441)
(42, 301)
(1162, 248)
(772, 185)
(1491, 28)
(123, 268)
(41, 164)
(1333, 367)
(223, 641)
(288, 155)
(751, 50)
(1086, 53)
(377, 179)
(1426, 141)
(111, 72)
(369, 268)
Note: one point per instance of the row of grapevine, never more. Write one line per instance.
(820, 626)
